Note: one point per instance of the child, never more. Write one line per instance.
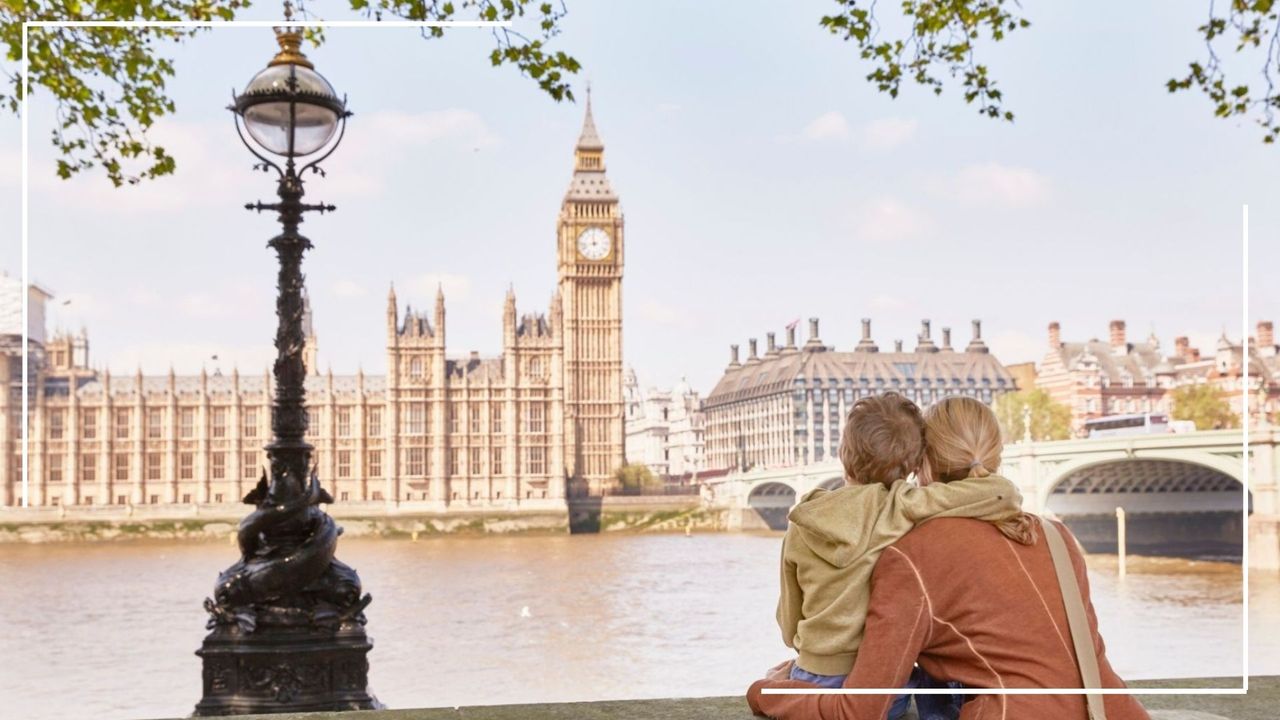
(835, 537)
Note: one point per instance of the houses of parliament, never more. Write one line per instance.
(542, 420)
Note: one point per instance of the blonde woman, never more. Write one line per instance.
(969, 605)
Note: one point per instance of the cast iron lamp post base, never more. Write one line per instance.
(294, 671)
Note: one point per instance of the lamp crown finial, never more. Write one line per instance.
(290, 39)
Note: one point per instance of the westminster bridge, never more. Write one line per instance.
(1181, 492)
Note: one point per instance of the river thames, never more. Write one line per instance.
(108, 631)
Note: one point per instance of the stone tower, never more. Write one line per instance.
(310, 344)
(590, 257)
(415, 382)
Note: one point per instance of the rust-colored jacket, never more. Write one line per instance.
(967, 604)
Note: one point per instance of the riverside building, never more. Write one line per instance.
(787, 406)
(665, 428)
(542, 420)
(1095, 378)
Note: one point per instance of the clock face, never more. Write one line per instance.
(594, 243)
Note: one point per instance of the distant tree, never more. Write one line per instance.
(1049, 420)
(1205, 406)
(109, 82)
(637, 479)
(927, 41)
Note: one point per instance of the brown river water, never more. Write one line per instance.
(107, 631)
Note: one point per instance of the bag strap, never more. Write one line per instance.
(1081, 636)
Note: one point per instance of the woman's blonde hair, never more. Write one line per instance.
(962, 439)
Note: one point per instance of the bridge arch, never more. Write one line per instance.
(772, 501)
(772, 489)
(1174, 506)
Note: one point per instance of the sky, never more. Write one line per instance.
(763, 180)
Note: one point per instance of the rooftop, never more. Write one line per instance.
(781, 367)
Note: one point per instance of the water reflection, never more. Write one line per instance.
(108, 631)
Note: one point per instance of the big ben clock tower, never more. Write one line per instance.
(590, 257)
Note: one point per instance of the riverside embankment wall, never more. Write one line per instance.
(218, 522)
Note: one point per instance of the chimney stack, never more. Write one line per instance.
(897, 346)
(1117, 336)
(976, 345)
(733, 356)
(924, 343)
(1181, 347)
(791, 337)
(1055, 335)
(751, 350)
(814, 343)
(1266, 339)
(866, 344)
(946, 338)
(773, 344)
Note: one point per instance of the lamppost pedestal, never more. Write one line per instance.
(299, 670)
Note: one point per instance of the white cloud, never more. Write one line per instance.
(389, 137)
(395, 129)
(348, 288)
(886, 219)
(827, 126)
(214, 171)
(879, 135)
(206, 175)
(456, 287)
(887, 133)
(993, 183)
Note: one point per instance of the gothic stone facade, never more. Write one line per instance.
(542, 420)
(788, 406)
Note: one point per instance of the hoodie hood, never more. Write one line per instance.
(837, 524)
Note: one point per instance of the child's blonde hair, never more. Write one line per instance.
(962, 439)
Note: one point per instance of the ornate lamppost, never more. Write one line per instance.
(287, 619)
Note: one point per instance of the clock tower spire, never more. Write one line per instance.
(589, 252)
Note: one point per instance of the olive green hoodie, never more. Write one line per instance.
(832, 546)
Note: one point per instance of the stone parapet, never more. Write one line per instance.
(1259, 704)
